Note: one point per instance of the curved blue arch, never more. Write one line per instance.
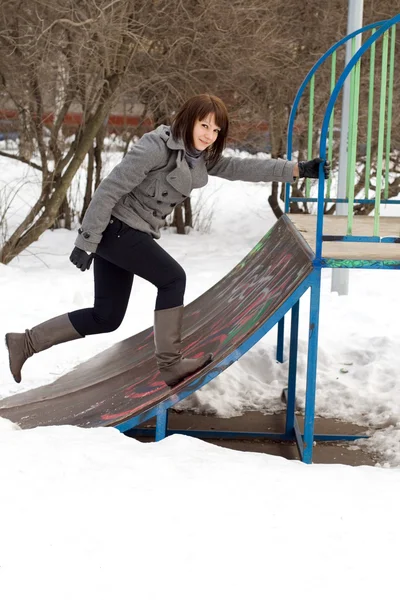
(325, 124)
(303, 86)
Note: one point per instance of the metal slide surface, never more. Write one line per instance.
(123, 381)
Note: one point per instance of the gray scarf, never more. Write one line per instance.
(193, 156)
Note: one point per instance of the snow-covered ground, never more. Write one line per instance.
(94, 515)
(91, 514)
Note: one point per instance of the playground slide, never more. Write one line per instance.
(123, 382)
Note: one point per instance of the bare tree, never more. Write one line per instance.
(84, 55)
(55, 57)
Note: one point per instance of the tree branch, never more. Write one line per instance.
(23, 160)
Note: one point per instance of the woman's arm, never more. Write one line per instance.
(259, 169)
(255, 169)
(129, 173)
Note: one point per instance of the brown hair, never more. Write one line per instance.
(198, 107)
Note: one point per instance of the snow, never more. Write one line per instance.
(89, 513)
(93, 514)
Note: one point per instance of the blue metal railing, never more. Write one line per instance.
(303, 87)
(382, 27)
(325, 124)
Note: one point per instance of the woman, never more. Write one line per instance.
(124, 219)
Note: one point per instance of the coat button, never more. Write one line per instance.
(159, 202)
(164, 194)
(86, 235)
(173, 204)
(154, 213)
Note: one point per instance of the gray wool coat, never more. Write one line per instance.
(152, 179)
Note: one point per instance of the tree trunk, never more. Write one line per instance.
(27, 232)
(98, 149)
(273, 200)
(63, 219)
(26, 146)
(188, 212)
(178, 219)
(89, 183)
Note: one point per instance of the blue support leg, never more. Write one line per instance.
(161, 423)
(291, 393)
(312, 357)
(280, 341)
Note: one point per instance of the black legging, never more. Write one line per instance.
(122, 253)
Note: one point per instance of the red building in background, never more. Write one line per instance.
(252, 136)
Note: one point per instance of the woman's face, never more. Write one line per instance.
(205, 132)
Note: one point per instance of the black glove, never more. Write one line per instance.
(310, 168)
(81, 259)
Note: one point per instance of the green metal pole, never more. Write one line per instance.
(353, 149)
(331, 124)
(381, 133)
(310, 130)
(352, 133)
(351, 129)
(370, 116)
(389, 110)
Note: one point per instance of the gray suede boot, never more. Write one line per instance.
(22, 346)
(167, 339)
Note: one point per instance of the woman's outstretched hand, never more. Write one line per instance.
(81, 259)
(310, 168)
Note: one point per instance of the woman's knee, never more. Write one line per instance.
(90, 321)
(176, 283)
(107, 323)
(172, 291)
(181, 282)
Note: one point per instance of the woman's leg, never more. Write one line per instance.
(139, 253)
(22, 346)
(122, 253)
(112, 288)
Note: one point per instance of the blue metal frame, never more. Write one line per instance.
(302, 88)
(213, 434)
(325, 123)
(245, 435)
(304, 441)
(311, 366)
(337, 263)
(292, 431)
(161, 423)
(291, 392)
(280, 341)
(361, 238)
(155, 411)
(341, 200)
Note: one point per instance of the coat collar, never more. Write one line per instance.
(165, 134)
(182, 178)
